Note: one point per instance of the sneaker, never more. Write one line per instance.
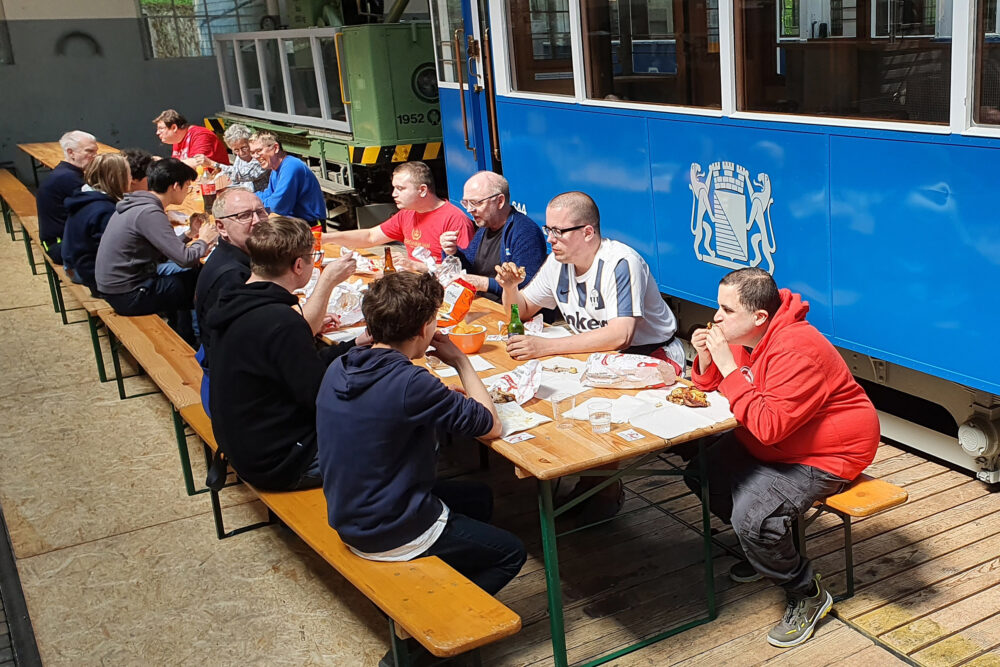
(742, 572)
(801, 617)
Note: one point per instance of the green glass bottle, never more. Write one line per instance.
(516, 327)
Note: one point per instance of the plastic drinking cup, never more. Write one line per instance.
(561, 405)
(599, 413)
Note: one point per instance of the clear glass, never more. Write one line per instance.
(229, 70)
(562, 405)
(446, 18)
(599, 413)
(251, 74)
(328, 52)
(873, 59)
(541, 58)
(656, 51)
(305, 95)
(986, 110)
(275, 79)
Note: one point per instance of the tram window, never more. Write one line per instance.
(446, 18)
(656, 51)
(874, 59)
(542, 61)
(987, 75)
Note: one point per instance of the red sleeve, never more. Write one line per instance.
(709, 379)
(393, 227)
(792, 390)
(204, 142)
(461, 224)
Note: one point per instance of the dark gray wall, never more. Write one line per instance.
(114, 94)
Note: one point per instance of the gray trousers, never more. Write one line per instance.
(761, 500)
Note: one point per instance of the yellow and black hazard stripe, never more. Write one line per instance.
(369, 155)
(216, 125)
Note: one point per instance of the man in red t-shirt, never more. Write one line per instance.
(189, 141)
(806, 430)
(421, 219)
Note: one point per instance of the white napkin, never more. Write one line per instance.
(554, 382)
(623, 408)
(345, 334)
(478, 364)
(514, 418)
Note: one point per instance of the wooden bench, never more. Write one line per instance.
(865, 496)
(17, 199)
(425, 597)
(168, 361)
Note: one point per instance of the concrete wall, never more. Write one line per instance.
(114, 93)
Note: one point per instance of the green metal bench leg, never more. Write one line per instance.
(848, 555)
(8, 222)
(27, 249)
(51, 278)
(116, 362)
(61, 304)
(182, 449)
(400, 652)
(95, 338)
(706, 531)
(220, 526)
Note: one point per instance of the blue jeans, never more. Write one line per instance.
(172, 294)
(761, 500)
(489, 556)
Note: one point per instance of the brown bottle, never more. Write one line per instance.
(389, 268)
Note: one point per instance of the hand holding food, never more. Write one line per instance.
(509, 274)
(206, 233)
(340, 269)
(449, 243)
(445, 350)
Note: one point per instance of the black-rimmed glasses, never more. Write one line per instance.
(557, 233)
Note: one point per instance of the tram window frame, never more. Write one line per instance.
(985, 117)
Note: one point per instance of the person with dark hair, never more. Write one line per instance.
(79, 150)
(422, 218)
(378, 416)
(189, 142)
(806, 430)
(139, 237)
(266, 370)
(138, 162)
(108, 179)
(292, 189)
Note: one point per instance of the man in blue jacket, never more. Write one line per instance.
(79, 149)
(503, 235)
(377, 420)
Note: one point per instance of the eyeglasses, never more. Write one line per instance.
(316, 256)
(557, 233)
(469, 204)
(246, 217)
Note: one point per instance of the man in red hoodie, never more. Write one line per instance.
(806, 429)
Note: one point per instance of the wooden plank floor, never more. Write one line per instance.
(927, 579)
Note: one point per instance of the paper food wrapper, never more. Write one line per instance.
(523, 382)
(366, 265)
(626, 371)
(514, 418)
(345, 302)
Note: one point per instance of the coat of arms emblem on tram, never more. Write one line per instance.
(731, 216)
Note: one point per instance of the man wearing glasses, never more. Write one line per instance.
(603, 289)
(266, 369)
(422, 218)
(504, 235)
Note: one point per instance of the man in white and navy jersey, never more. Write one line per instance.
(603, 289)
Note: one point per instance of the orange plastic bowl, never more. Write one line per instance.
(470, 343)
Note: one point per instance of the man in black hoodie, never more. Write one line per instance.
(378, 420)
(266, 370)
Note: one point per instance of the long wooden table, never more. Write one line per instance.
(49, 154)
(556, 452)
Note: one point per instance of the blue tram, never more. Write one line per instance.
(846, 146)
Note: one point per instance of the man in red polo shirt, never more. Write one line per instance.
(421, 219)
(189, 141)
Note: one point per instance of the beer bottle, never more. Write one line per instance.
(389, 267)
(516, 327)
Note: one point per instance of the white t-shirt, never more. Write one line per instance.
(617, 284)
(414, 547)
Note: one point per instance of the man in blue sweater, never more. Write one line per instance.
(503, 235)
(79, 150)
(377, 419)
(293, 189)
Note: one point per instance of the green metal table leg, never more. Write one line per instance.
(27, 249)
(34, 170)
(182, 449)
(95, 338)
(553, 584)
(8, 222)
(706, 531)
(114, 344)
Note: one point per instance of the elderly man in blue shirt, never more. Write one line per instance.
(293, 189)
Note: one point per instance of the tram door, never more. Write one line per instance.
(463, 42)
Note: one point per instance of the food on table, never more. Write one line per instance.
(689, 396)
(499, 396)
(466, 328)
(562, 369)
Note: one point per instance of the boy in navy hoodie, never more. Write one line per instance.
(378, 416)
